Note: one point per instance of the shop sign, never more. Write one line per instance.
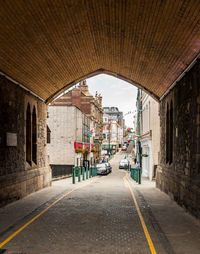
(78, 145)
(87, 146)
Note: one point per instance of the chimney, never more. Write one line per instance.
(83, 86)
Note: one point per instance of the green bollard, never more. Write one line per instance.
(90, 172)
(86, 172)
(83, 173)
(95, 171)
(139, 173)
(79, 174)
(73, 175)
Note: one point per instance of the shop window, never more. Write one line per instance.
(28, 134)
(34, 136)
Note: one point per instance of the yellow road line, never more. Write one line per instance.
(43, 211)
(146, 232)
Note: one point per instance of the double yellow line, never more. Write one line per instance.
(43, 211)
(126, 182)
(146, 232)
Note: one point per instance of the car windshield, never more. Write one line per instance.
(123, 161)
(100, 165)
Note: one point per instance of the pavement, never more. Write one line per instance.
(107, 214)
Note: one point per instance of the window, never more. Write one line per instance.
(48, 135)
(28, 134)
(169, 133)
(34, 136)
(31, 135)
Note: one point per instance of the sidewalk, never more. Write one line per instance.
(14, 213)
(169, 220)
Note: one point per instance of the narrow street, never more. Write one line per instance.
(98, 216)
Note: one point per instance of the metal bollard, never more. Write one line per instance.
(83, 173)
(90, 173)
(79, 174)
(139, 174)
(73, 175)
(86, 172)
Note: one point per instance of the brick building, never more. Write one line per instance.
(90, 106)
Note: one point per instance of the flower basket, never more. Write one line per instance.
(79, 150)
(94, 150)
(145, 155)
(85, 151)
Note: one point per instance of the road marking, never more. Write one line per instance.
(43, 211)
(146, 232)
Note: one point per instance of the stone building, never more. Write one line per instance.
(69, 135)
(179, 169)
(24, 166)
(149, 134)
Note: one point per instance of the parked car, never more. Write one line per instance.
(108, 166)
(124, 147)
(102, 169)
(124, 163)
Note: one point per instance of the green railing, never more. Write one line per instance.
(135, 174)
(82, 173)
(127, 167)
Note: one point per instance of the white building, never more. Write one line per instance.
(149, 135)
(69, 128)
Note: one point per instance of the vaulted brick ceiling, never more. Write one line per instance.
(47, 45)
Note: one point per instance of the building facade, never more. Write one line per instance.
(69, 139)
(90, 106)
(148, 134)
(24, 164)
(113, 134)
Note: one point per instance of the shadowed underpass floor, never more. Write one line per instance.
(99, 217)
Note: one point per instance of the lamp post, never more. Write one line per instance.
(109, 138)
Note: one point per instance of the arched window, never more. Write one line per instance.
(167, 134)
(34, 136)
(171, 133)
(28, 134)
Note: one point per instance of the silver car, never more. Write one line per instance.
(124, 163)
(102, 169)
(108, 166)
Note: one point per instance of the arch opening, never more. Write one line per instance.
(98, 72)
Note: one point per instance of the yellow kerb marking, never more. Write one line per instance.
(146, 232)
(37, 216)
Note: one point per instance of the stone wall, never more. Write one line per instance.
(181, 178)
(17, 177)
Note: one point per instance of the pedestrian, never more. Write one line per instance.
(137, 164)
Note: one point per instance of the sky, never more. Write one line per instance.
(116, 93)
